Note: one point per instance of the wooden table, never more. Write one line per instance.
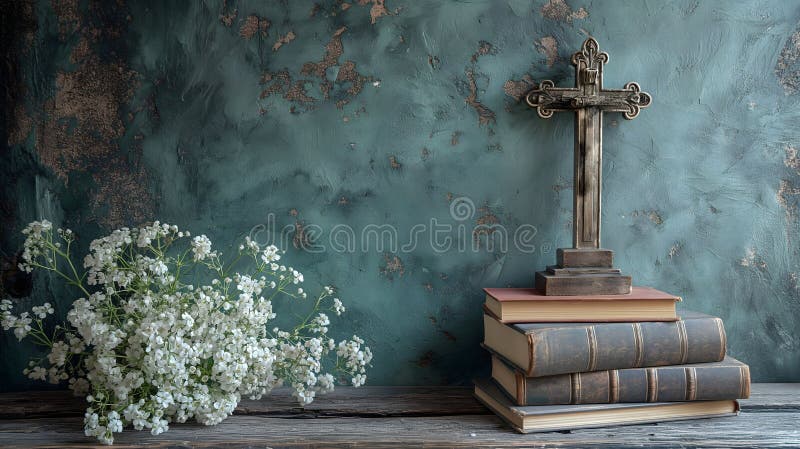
(378, 417)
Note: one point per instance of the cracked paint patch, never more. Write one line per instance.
(517, 89)
(484, 48)
(787, 68)
(548, 46)
(252, 26)
(295, 91)
(283, 40)
(561, 11)
(377, 10)
(485, 115)
(78, 130)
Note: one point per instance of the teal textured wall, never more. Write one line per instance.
(220, 116)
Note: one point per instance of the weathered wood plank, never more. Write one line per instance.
(754, 429)
(344, 401)
(360, 402)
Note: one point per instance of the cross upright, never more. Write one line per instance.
(588, 100)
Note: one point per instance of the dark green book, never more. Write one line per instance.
(728, 379)
(545, 418)
(546, 349)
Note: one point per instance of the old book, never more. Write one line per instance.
(529, 305)
(545, 349)
(728, 379)
(545, 418)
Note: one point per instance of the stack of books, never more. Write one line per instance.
(567, 362)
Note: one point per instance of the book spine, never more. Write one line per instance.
(605, 346)
(663, 384)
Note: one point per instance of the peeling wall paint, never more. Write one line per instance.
(222, 115)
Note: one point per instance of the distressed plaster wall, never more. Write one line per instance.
(214, 115)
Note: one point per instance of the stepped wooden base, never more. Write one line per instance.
(583, 272)
(583, 258)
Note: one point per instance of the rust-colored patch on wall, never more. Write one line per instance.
(561, 11)
(393, 265)
(377, 10)
(79, 128)
(517, 89)
(484, 48)
(485, 222)
(433, 61)
(254, 25)
(227, 17)
(394, 163)
(68, 15)
(283, 40)
(787, 68)
(485, 115)
(333, 50)
(548, 46)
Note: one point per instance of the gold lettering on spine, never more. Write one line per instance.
(684, 341)
(637, 345)
(613, 386)
(691, 384)
(590, 333)
(652, 385)
(575, 392)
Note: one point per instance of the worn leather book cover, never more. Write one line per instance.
(529, 305)
(728, 379)
(545, 349)
(547, 418)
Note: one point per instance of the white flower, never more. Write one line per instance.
(338, 307)
(144, 319)
(201, 247)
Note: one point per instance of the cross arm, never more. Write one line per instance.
(547, 99)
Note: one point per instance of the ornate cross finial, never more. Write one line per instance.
(588, 100)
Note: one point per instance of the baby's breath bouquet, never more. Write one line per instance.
(148, 347)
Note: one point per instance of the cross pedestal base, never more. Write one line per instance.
(583, 272)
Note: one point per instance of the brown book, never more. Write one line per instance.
(728, 379)
(547, 418)
(529, 305)
(545, 349)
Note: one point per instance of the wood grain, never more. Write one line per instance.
(383, 417)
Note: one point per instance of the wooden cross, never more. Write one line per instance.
(589, 101)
